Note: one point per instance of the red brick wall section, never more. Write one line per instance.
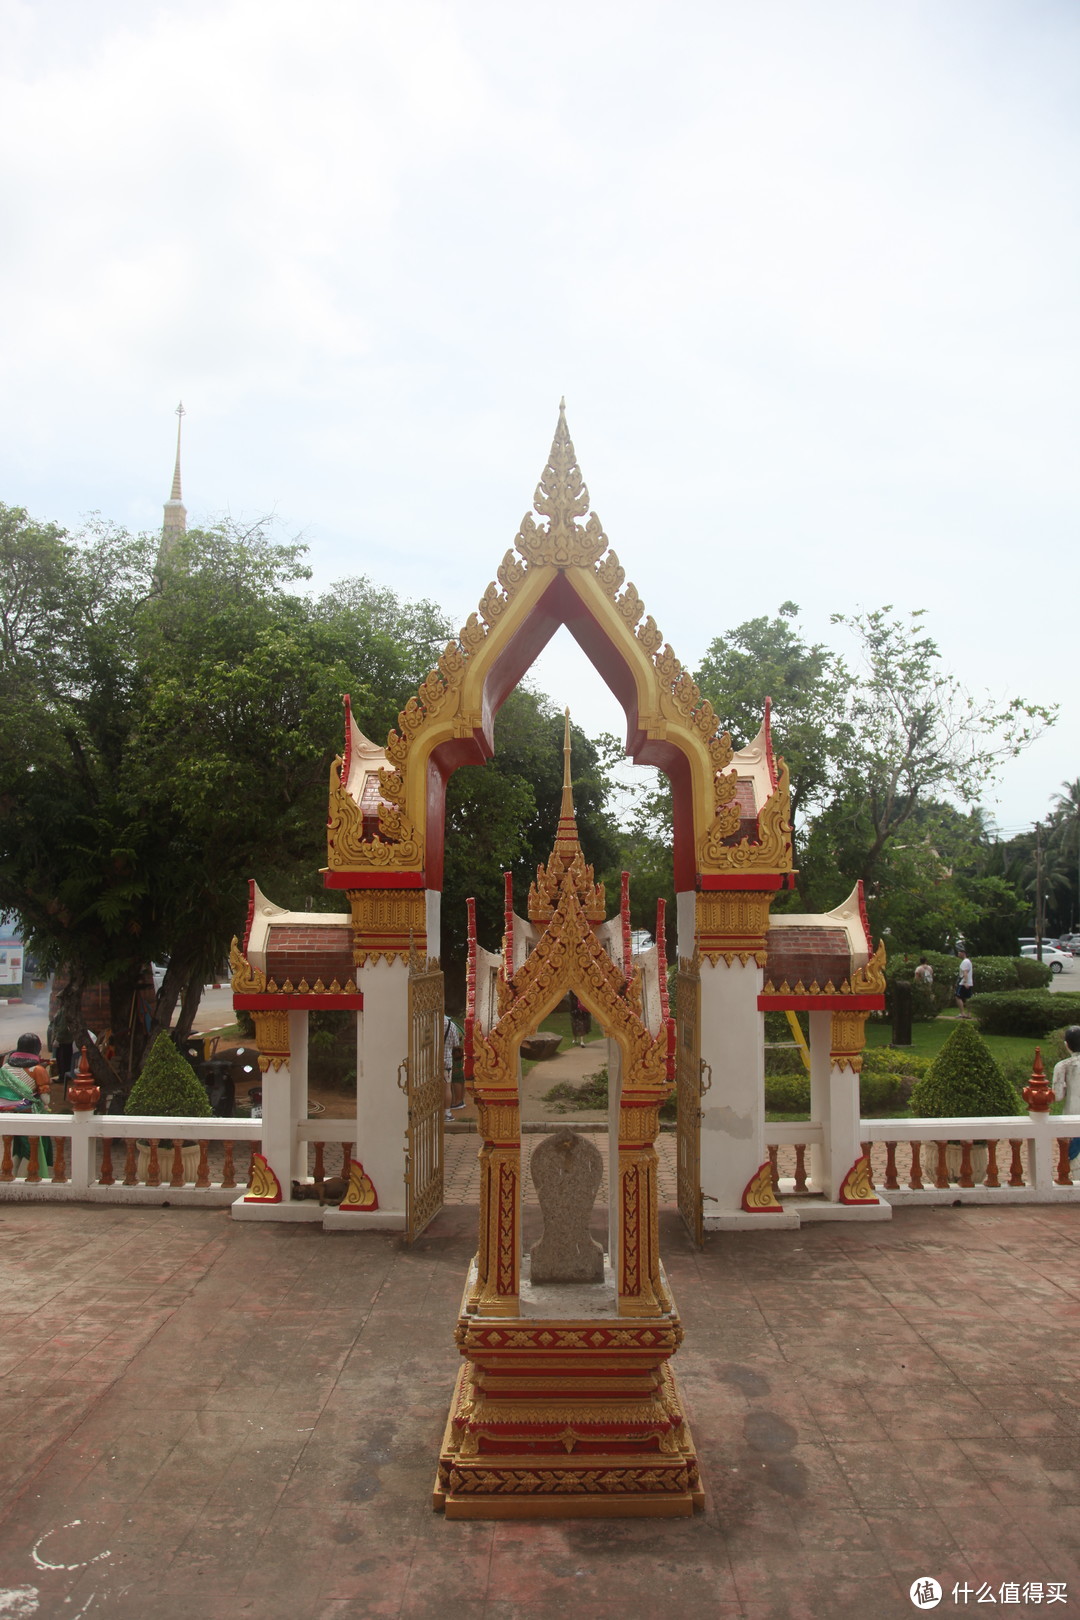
(308, 951)
(808, 954)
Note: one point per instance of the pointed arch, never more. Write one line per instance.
(563, 574)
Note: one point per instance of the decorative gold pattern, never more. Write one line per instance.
(424, 1094)
(387, 924)
(347, 848)
(562, 498)
(272, 1038)
(870, 980)
(847, 1037)
(733, 922)
(857, 1186)
(361, 1192)
(246, 980)
(265, 1188)
(759, 1197)
(771, 852)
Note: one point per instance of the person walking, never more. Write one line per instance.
(453, 1077)
(965, 985)
(1066, 1083)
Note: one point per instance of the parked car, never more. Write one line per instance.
(1055, 959)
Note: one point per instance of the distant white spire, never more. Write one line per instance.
(175, 511)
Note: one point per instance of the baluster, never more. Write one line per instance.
(942, 1177)
(965, 1166)
(320, 1171)
(7, 1165)
(992, 1165)
(106, 1178)
(346, 1159)
(1063, 1178)
(228, 1174)
(774, 1154)
(59, 1169)
(202, 1178)
(1016, 1169)
(130, 1178)
(868, 1148)
(153, 1169)
(891, 1183)
(33, 1170)
(800, 1167)
(915, 1180)
(177, 1179)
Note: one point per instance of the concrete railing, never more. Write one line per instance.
(1019, 1158)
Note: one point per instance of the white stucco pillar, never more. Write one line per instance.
(820, 1099)
(733, 1109)
(381, 1105)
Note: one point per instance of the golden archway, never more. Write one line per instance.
(563, 573)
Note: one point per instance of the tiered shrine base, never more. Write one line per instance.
(567, 1419)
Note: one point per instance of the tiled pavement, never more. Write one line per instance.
(203, 1418)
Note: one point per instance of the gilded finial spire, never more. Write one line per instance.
(562, 498)
(567, 859)
(175, 513)
(567, 807)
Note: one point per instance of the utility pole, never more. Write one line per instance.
(1038, 891)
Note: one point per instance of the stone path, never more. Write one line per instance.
(204, 1417)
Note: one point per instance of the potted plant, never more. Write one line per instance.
(964, 1080)
(168, 1085)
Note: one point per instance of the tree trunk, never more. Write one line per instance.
(189, 1007)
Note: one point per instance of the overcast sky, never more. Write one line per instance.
(805, 272)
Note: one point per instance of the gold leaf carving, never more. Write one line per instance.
(562, 498)
(650, 637)
(246, 980)
(610, 575)
(870, 980)
(772, 850)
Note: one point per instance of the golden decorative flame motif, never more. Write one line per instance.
(265, 1187)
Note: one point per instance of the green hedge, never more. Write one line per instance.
(1032, 975)
(1024, 1012)
(885, 1084)
(964, 1079)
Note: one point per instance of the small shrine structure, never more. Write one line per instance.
(565, 1404)
(731, 855)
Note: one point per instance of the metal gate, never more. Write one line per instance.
(422, 1084)
(688, 1092)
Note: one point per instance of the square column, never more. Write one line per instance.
(382, 1046)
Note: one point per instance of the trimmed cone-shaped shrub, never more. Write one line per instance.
(964, 1080)
(168, 1085)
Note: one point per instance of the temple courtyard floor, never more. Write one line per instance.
(206, 1418)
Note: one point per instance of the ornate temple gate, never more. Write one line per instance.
(422, 1082)
(688, 1093)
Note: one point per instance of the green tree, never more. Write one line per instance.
(173, 739)
(916, 734)
(807, 682)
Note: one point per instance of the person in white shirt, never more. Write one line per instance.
(452, 1039)
(965, 986)
(1066, 1083)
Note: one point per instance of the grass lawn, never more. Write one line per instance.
(558, 1023)
(928, 1039)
